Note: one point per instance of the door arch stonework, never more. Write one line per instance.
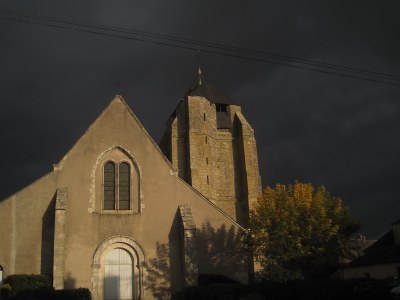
(98, 266)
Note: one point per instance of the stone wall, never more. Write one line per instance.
(220, 163)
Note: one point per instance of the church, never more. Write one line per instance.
(128, 218)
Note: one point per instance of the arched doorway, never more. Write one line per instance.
(118, 269)
(118, 275)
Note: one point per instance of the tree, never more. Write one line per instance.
(297, 231)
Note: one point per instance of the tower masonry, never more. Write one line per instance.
(212, 147)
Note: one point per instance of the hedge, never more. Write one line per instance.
(27, 282)
(50, 294)
(38, 287)
(357, 289)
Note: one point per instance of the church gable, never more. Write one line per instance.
(117, 126)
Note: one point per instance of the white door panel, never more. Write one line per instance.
(118, 275)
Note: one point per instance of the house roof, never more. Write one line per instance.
(387, 240)
(382, 251)
(202, 87)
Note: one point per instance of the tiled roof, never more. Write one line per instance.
(202, 87)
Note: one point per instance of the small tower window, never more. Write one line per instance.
(204, 116)
(221, 107)
(207, 160)
(206, 140)
(208, 181)
(223, 121)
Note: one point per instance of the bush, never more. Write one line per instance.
(75, 294)
(207, 279)
(33, 294)
(27, 282)
(5, 290)
(50, 294)
(327, 289)
(207, 292)
(38, 287)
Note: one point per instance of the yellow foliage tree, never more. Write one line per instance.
(296, 231)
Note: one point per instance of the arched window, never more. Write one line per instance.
(109, 185)
(117, 186)
(124, 186)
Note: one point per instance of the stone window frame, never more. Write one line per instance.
(139, 263)
(116, 185)
(96, 198)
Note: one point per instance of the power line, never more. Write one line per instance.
(208, 47)
(209, 44)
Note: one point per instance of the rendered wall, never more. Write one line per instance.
(27, 228)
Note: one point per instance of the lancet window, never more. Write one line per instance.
(117, 186)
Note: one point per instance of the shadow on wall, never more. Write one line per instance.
(219, 251)
(69, 282)
(47, 250)
(158, 269)
(240, 177)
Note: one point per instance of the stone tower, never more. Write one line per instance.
(212, 146)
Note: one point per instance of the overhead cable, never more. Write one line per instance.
(198, 45)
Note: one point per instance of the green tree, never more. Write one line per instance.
(297, 231)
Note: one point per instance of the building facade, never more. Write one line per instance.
(114, 216)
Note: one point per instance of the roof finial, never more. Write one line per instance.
(199, 72)
(199, 61)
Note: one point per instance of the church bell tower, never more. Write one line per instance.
(212, 146)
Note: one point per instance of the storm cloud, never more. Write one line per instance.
(321, 128)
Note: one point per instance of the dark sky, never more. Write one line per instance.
(313, 127)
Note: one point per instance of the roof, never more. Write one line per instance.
(382, 251)
(202, 87)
